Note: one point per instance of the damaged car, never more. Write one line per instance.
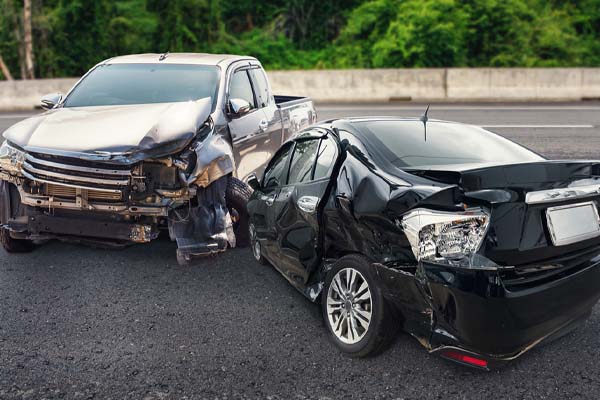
(471, 243)
(144, 144)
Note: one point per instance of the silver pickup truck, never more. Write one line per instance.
(145, 143)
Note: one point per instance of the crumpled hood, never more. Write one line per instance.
(110, 129)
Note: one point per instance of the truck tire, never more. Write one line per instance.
(237, 196)
(12, 245)
(10, 207)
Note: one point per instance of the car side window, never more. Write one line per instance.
(240, 87)
(325, 158)
(303, 161)
(276, 173)
(261, 87)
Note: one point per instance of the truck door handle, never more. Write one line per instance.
(308, 203)
(263, 125)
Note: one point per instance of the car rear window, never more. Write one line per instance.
(403, 144)
(303, 161)
(124, 84)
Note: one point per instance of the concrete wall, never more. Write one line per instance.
(376, 85)
(25, 95)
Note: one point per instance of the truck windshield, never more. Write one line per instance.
(402, 143)
(122, 84)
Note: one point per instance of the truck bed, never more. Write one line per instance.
(296, 114)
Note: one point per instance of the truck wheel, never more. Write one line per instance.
(12, 245)
(237, 196)
(354, 309)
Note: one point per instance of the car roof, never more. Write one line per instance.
(348, 123)
(178, 58)
(333, 123)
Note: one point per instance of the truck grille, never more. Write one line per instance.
(65, 172)
(67, 192)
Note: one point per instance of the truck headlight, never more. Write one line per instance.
(10, 157)
(437, 235)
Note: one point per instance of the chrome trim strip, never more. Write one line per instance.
(33, 178)
(31, 169)
(553, 195)
(29, 157)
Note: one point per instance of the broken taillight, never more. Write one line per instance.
(466, 359)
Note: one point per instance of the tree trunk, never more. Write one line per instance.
(5, 70)
(28, 40)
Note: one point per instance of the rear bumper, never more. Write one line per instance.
(475, 311)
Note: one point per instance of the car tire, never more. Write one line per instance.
(236, 197)
(12, 245)
(256, 246)
(370, 334)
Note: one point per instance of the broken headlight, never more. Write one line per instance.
(11, 158)
(437, 235)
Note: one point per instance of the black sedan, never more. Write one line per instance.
(473, 244)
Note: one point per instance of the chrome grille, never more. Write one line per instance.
(66, 192)
(97, 177)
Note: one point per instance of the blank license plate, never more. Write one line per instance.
(573, 223)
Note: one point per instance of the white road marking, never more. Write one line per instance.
(457, 108)
(538, 126)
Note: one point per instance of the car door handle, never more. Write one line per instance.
(308, 203)
(263, 125)
(269, 200)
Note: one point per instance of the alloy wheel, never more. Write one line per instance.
(254, 243)
(349, 306)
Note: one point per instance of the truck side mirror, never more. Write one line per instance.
(50, 101)
(239, 107)
(253, 181)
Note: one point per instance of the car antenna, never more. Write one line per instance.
(163, 56)
(424, 118)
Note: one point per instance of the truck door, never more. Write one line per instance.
(266, 102)
(252, 143)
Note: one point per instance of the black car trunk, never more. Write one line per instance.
(519, 234)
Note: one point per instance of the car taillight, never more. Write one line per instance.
(438, 235)
(465, 358)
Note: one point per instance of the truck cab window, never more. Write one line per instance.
(240, 88)
(261, 86)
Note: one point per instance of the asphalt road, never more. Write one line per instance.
(77, 322)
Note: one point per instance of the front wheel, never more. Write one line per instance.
(354, 309)
(236, 197)
(12, 245)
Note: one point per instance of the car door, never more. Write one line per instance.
(263, 202)
(296, 217)
(251, 141)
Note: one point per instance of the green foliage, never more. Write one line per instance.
(409, 33)
(70, 36)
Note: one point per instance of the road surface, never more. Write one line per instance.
(77, 322)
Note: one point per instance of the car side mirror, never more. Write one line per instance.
(239, 107)
(253, 181)
(50, 101)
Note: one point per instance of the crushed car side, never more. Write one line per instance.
(482, 313)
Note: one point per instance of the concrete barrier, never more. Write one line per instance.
(25, 95)
(381, 85)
